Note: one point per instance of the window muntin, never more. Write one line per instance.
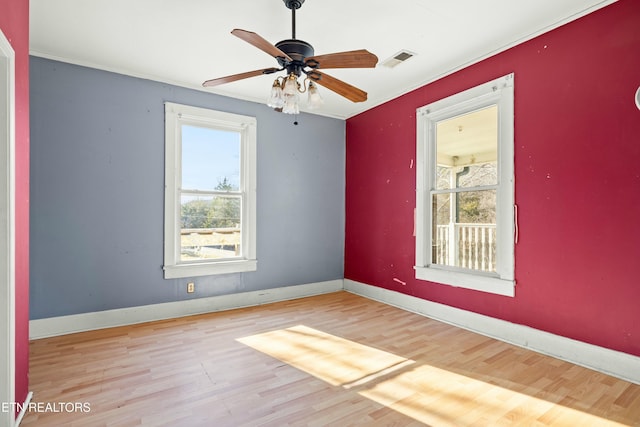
(464, 213)
(210, 192)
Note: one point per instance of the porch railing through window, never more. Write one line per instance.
(470, 246)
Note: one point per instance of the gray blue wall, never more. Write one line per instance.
(97, 193)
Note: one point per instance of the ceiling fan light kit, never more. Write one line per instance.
(297, 57)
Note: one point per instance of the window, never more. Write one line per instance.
(465, 204)
(210, 192)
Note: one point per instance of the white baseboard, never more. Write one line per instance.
(610, 362)
(54, 326)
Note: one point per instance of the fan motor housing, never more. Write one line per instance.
(297, 50)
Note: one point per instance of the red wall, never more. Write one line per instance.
(14, 22)
(577, 167)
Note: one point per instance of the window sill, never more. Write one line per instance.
(209, 268)
(459, 279)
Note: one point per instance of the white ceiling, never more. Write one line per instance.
(185, 42)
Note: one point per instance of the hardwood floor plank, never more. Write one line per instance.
(335, 359)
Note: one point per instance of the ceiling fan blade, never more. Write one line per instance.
(233, 78)
(352, 93)
(351, 59)
(259, 42)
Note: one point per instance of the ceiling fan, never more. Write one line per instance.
(297, 57)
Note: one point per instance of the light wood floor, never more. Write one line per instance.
(336, 359)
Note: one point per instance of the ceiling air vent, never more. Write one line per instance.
(398, 58)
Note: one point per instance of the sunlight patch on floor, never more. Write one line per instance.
(423, 392)
(338, 361)
(440, 397)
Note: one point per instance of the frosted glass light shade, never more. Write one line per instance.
(276, 99)
(291, 104)
(291, 86)
(315, 99)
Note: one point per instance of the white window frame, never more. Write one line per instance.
(177, 115)
(498, 92)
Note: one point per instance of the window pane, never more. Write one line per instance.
(478, 175)
(210, 227)
(464, 230)
(467, 150)
(210, 159)
(441, 229)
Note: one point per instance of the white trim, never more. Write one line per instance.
(7, 229)
(204, 269)
(610, 362)
(54, 326)
(500, 92)
(478, 282)
(175, 116)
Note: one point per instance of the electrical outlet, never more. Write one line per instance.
(191, 287)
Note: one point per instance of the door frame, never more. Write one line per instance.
(7, 230)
